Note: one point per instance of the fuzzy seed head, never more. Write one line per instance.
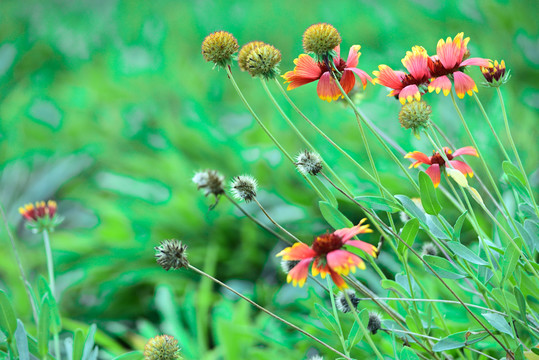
(415, 115)
(263, 61)
(342, 304)
(429, 249)
(211, 181)
(162, 347)
(246, 49)
(309, 163)
(320, 39)
(375, 323)
(244, 187)
(171, 254)
(218, 47)
(288, 265)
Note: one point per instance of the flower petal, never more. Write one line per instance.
(320, 267)
(462, 167)
(467, 150)
(388, 77)
(348, 80)
(419, 157)
(338, 280)
(409, 93)
(342, 262)
(463, 84)
(365, 246)
(449, 52)
(348, 233)
(362, 75)
(476, 61)
(298, 251)
(299, 273)
(353, 56)
(415, 62)
(440, 83)
(327, 88)
(434, 172)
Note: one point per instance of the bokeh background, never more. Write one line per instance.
(108, 107)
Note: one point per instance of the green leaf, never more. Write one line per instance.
(510, 260)
(8, 321)
(458, 226)
(333, 216)
(395, 287)
(408, 354)
(378, 203)
(133, 355)
(326, 317)
(465, 253)
(443, 267)
(521, 190)
(429, 200)
(43, 330)
(78, 344)
(499, 323)
(436, 227)
(89, 342)
(355, 335)
(459, 340)
(43, 288)
(21, 338)
(510, 169)
(521, 304)
(328, 195)
(408, 234)
(412, 208)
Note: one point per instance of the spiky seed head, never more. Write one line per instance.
(321, 39)
(171, 254)
(211, 181)
(415, 115)
(342, 304)
(263, 61)
(246, 49)
(495, 75)
(429, 249)
(403, 216)
(288, 265)
(162, 347)
(244, 187)
(375, 323)
(309, 163)
(218, 47)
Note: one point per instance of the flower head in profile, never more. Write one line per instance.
(321, 40)
(171, 254)
(244, 187)
(328, 255)
(263, 61)
(41, 216)
(245, 50)
(308, 70)
(218, 48)
(495, 74)
(407, 86)
(437, 163)
(415, 115)
(448, 64)
(210, 181)
(162, 347)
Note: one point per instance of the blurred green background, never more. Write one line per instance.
(109, 108)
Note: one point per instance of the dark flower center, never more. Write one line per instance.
(436, 158)
(327, 243)
(437, 69)
(341, 65)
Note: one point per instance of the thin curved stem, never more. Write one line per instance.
(261, 308)
(275, 222)
(502, 148)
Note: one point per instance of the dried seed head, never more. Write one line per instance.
(375, 323)
(415, 115)
(263, 61)
(218, 47)
(309, 163)
(162, 347)
(403, 216)
(288, 265)
(321, 39)
(243, 55)
(171, 254)
(211, 181)
(495, 75)
(244, 187)
(342, 304)
(429, 249)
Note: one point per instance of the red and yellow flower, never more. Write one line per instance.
(41, 216)
(328, 255)
(448, 64)
(308, 70)
(437, 163)
(406, 86)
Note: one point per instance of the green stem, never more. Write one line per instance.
(261, 308)
(300, 135)
(508, 130)
(275, 222)
(50, 270)
(286, 154)
(491, 127)
(336, 316)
